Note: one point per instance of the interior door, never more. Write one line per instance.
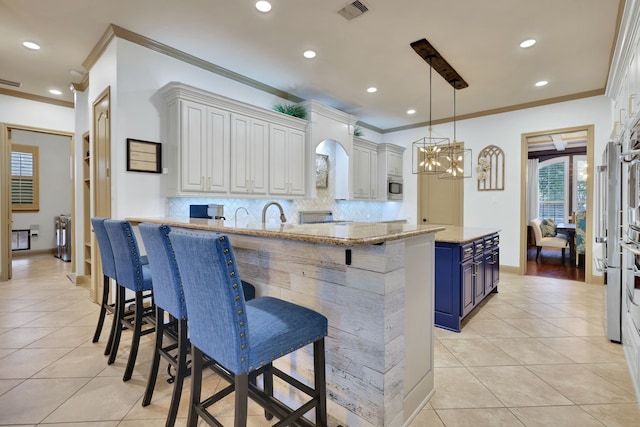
(440, 201)
(102, 179)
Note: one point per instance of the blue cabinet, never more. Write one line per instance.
(465, 274)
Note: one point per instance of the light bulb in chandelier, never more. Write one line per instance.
(454, 165)
(430, 157)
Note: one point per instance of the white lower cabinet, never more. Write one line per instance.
(286, 160)
(249, 142)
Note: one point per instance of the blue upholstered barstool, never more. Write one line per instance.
(108, 272)
(244, 337)
(131, 274)
(169, 296)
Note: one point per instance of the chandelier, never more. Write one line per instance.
(427, 152)
(437, 155)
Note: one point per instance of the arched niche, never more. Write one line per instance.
(332, 155)
(329, 124)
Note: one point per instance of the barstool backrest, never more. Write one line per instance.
(106, 253)
(217, 314)
(129, 269)
(167, 284)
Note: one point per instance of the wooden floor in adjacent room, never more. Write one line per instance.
(550, 264)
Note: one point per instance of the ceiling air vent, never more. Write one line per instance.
(10, 83)
(353, 10)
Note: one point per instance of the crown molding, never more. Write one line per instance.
(37, 98)
(533, 104)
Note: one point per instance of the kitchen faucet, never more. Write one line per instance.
(283, 218)
(235, 215)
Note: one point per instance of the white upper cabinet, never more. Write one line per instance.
(287, 159)
(205, 155)
(219, 146)
(390, 160)
(249, 144)
(365, 170)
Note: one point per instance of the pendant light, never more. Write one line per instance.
(438, 155)
(427, 152)
(457, 159)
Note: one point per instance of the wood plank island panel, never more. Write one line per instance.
(379, 350)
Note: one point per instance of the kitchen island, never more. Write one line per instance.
(467, 271)
(374, 283)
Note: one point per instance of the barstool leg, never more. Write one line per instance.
(320, 382)
(196, 386)
(115, 342)
(114, 324)
(242, 398)
(181, 372)
(135, 340)
(103, 310)
(155, 363)
(267, 380)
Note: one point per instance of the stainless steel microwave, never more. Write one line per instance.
(394, 188)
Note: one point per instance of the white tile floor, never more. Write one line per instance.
(535, 355)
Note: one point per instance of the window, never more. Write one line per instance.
(553, 178)
(579, 183)
(24, 178)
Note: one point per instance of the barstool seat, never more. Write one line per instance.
(244, 337)
(135, 276)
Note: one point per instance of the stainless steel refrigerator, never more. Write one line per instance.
(609, 233)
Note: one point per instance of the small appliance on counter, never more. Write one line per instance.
(216, 211)
(211, 211)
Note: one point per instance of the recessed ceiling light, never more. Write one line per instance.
(372, 89)
(263, 6)
(31, 45)
(55, 92)
(411, 111)
(542, 83)
(527, 43)
(309, 54)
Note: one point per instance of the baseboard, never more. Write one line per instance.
(19, 254)
(84, 281)
(509, 269)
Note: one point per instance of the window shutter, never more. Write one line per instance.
(24, 186)
(552, 191)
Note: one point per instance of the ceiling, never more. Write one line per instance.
(479, 39)
(558, 141)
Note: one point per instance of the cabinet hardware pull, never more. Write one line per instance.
(202, 182)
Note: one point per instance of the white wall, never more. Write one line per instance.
(501, 209)
(55, 185)
(24, 112)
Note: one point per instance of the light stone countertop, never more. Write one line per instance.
(339, 234)
(452, 234)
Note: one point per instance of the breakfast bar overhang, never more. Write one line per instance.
(375, 284)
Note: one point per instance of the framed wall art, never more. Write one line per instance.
(144, 156)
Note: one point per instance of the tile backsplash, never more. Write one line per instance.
(342, 209)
